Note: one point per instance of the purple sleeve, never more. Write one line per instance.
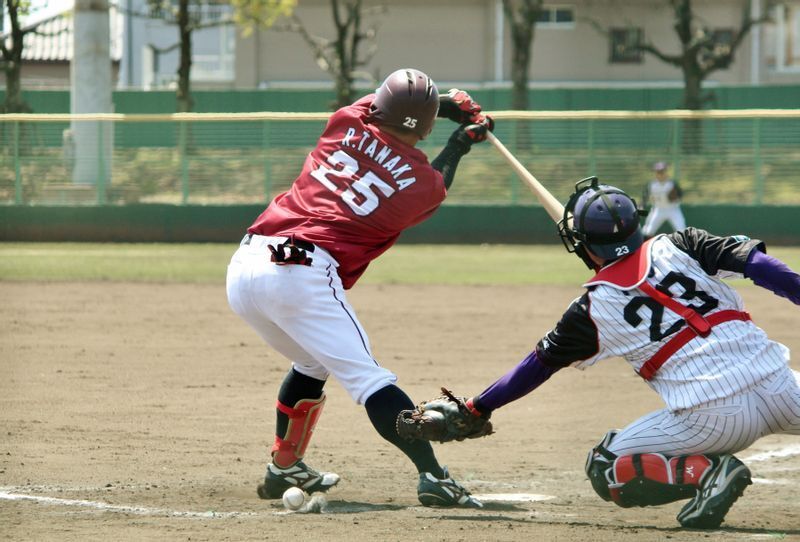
(774, 275)
(519, 381)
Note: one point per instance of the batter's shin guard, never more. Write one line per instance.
(303, 417)
(652, 479)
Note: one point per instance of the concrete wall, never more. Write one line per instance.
(457, 41)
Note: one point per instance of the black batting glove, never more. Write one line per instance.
(467, 134)
(458, 106)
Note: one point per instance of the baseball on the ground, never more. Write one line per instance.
(293, 498)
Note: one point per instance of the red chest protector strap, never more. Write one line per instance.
(648, 370)
(631, 272)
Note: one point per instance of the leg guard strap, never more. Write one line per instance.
(652, 479)
(641, 491)
(302, 419)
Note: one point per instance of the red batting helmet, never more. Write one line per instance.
(406, 99)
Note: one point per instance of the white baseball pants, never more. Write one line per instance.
(658, 215)
(726, 425)
(302, 312)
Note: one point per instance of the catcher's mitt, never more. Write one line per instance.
(443, 419)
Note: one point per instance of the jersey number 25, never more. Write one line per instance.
(359, 196)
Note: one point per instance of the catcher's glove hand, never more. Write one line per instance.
(443, 419)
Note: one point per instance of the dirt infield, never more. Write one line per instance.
(134, 411)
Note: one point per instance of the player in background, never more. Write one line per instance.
(363, 184)
(663, 307)
(662, 196)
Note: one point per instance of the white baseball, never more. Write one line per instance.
(293, 498)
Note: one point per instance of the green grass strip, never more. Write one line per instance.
(206, 263)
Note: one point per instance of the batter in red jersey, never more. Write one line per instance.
(363, 184)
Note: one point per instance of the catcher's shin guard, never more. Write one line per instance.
(291, 448)
(643, 479)
(652, 479)
(598, 462)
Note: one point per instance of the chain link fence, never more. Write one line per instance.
(730, 156)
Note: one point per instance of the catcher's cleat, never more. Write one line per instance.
(299, 475)
(433, 491)
(721, 486)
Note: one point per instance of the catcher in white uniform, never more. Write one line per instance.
(662, 195)
(661, 305)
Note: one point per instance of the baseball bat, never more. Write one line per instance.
(548, 201)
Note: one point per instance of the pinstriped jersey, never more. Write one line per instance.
(689, 266)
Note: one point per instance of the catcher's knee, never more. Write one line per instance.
(648, 479)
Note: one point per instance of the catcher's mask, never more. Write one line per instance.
(601, 218)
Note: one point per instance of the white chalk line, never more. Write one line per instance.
(787, 451)
(773, 481)
(138, 510)
(7, 493)
(513, 497)
(315, 505)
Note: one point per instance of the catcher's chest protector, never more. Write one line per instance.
(631, 272)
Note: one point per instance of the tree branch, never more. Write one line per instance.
(723, 60)
(675, 60)
(164, 50)
(49, 34)
(199, 25)
(319, 46)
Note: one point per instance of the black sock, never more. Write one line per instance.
(383, 406)
(295, 387)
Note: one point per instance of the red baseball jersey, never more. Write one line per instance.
(359, 189)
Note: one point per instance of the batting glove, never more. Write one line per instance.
(459, 107)
(467, 134)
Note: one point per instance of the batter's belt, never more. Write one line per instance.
(299, 243)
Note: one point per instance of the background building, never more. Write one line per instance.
(582, 43)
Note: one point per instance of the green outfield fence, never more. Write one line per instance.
(747, 157)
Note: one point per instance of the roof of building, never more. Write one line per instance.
(52, 39)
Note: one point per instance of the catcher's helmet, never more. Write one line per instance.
(406, 99)
(603, 219)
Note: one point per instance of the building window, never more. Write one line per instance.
(213, 48)
(721, 40)
(624, 45)
(783, 38)
(556, 17)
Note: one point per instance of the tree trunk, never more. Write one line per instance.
(519, 75)
(522, 37)
(343, 79)
(13, 102)
(693, 88)
(184, 96)
(344, 90)
(692, 140)
(346, 49)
